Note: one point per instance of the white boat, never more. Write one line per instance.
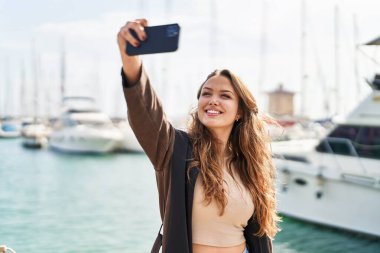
(129, 142)
(34, 133)
(9, 130)
(82, 128)
(335, 181)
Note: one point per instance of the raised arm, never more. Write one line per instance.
(145, 112)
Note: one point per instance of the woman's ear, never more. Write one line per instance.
(238, 115)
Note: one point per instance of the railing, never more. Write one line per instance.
(352, 151)
(361, 178)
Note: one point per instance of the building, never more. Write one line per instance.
(281, 102)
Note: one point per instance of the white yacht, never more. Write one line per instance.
(82, 128)
(335, 180)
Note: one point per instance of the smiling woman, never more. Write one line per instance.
(216, 182)
(226, 125)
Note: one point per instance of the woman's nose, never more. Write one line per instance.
(213, 101)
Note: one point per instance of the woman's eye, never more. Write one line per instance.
(205, 94)
(226, 96)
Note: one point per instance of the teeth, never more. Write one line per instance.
(213, 111)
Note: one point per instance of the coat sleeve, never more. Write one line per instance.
(255, 243)
(153, 131)
(148, 121)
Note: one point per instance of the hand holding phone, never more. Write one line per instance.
(159, 39)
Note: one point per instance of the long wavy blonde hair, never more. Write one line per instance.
(249, 154)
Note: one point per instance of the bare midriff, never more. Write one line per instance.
(199, 248)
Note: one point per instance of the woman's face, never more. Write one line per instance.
(218, 105)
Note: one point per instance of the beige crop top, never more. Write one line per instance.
(208, 228)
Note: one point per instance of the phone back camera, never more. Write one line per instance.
(172, 31)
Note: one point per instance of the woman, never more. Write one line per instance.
(216, 183)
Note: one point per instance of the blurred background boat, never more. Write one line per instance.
(82, 128)
(9, 129)
(35, 133)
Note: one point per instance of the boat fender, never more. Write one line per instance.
(320, 183)
(286, 179)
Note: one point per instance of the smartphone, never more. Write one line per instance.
(160, 39)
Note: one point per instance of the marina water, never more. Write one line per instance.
(56, 202)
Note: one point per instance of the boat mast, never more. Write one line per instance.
(7, 93)
(303, 58)
(35, 80)
(63, 69)
(337, 63)
(263, 46)
(213, 32)
(356, 56)
(22, 89)
(166, 61)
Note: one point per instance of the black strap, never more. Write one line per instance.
(157, 243)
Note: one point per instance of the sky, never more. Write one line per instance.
(260, 40)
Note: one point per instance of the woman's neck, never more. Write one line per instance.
(222, 140)
(224, 153)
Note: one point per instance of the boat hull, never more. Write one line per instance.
(34, 142)
(347, 201)
(15, 134)
(85, 140)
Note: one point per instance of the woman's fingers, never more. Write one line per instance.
(142, 21)
(137, 27)
(125, 34)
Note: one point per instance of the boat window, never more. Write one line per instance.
(347, 132)
(352, 141)
(368, 142)
(340, 146)
(339, 140)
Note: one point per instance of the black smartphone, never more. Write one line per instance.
(160, 39)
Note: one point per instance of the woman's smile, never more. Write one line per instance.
(213, 112)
